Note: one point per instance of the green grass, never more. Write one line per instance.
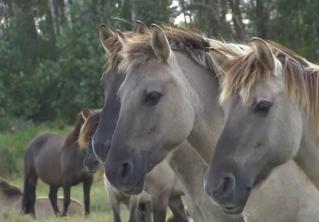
(100, 207)
(16, 139)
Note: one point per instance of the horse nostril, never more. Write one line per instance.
(225, 187)
(125, 170)
(107, 145)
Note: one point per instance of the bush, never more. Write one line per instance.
(7, 163)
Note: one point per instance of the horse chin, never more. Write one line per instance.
(238, 204)
(92, 171)
(133, 189)
(233, 209)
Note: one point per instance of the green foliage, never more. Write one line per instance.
(51, 59)
(14, 140)
(296, 25)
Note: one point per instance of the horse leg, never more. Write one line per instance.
(53, 196)
(159, 204)
(144, 209)
(66, 199)
(87, 183)
(132, 205)
(177, 207)
(29, 193)
(115, 204)
(116, 214)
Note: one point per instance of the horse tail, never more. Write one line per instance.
(25, 200)
(29, 186)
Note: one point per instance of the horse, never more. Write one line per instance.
(59, 163)
(196, 198)
(270, 96)
(161, 185)
(11, 199)
(148, 63)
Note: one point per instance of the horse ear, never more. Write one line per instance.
(221, 59)
(141, 28)
(263, 53)
(121, 37)
(160, 44)
(85, 113)
(105, 35)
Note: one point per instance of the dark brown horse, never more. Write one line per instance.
(59, 163)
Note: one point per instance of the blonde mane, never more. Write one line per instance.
(88, 129)
(73, 136)
(138, 49)
(301, 78)
(228, 48)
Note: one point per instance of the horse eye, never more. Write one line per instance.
(152, 98)
(263, 106)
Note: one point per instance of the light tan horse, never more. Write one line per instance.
(271, 105)
(192, 178)
(161, 188)
(177, 87)
(11, 200)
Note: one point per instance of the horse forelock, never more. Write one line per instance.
(245, 71)
(112, 57)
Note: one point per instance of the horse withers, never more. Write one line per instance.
(58, 162)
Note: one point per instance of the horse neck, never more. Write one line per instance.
(209, 116)
(308, 155)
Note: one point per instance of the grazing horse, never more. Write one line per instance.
(161, 184)
(59, 163)
(270, 96)
(161, 69)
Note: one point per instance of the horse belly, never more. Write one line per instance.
(47, 166)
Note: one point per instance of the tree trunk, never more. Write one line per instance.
(67, 12)
(28, 18)
(237, 19)
(55, 16)
(261, 19)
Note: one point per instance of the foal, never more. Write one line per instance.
(59, 163)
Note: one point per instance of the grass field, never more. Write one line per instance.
(15, 141)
